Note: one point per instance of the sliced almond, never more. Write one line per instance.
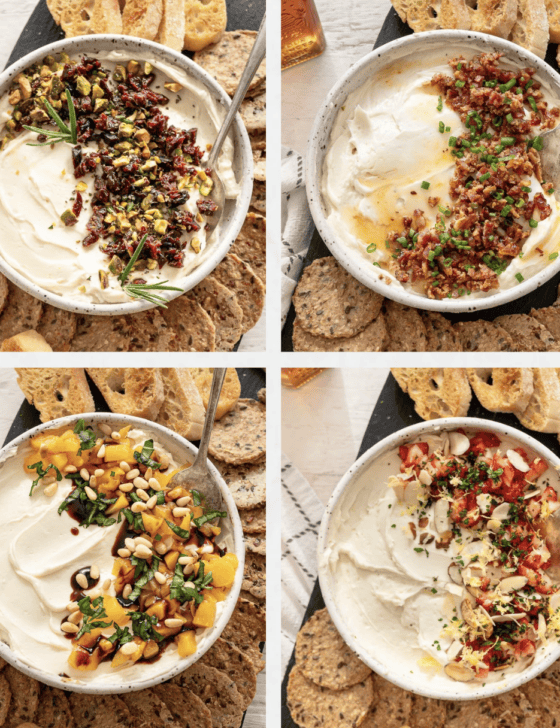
(455, 574)
(468, 614)
(460, 673)
(517, 461)
(512, 583)
(554, 602)
(501, 512)
(441, 519)
(454, 649)
(425, 478)
(458, 443)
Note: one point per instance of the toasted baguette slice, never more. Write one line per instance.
(502, 390)
(172, 27)
(182, 409)
(424, 15)
(142, 18)
(553, 11)
(436, 392)
(135, 392)
(56, 392)
(26, 341)
(543, 411)
(231, 389)
(205, 22)
(496, 17)
(83, 17)
(531, 29)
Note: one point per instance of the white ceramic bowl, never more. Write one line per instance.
(395, 668)
(411, 47)
(235, 210)
(182, 451)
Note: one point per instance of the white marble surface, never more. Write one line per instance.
(13, 17)
(324, 421)
(351, 29)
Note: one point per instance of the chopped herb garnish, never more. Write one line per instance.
(38, 467)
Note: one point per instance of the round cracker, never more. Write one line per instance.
(312, 706)
(330, 302)
(237, 666)
(250, 244)
(193, 327)
(149, 331)
(256, 543)
(226, 59)
(5, 698)
(253, 113)
(217, 691)
(254, 520)
(247, 624)
(101, 333)
(391, 707)
(258, 198)
(57, 327)
(247, 483)
(407, 331)
(254, 576)
(240, 278)
(186, 707)
(224, 310)
(427, 712)
(240, 436)
(373, 338)
(324, 657)
(21, 312)
(4, 291)
(231, 389)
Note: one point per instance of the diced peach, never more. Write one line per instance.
(223, 572)
(186, 643)
(158, 608)
(59, 460)
(232, 558)
(219, 594)
(205, 614)
(82, 659)
(124, 431)
(197, 511)
(186, 522)
(151, 523)
(31, 459)
(120, 452)
(77, 460)
(118, 505)
(70, 444)
(170, 559)
(115, 612)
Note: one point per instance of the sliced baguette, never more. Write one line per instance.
(205, 23)
(424, 15)
(553, 11)
(231, 389)
(84, 17)
(496, 17)
(172, 27)
(436, 392)
(543, 411)
(501, 389)
(531, 29)
(135, 392)
(56, 392)
(26, 341)
(182, 409)
(142, 18)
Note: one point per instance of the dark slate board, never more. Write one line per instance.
(41, 29)
(27, 417)
(394, 411)
(394, 28)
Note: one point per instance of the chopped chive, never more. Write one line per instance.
(371, 247)
(491, 84)
(519, 277)
(538, 143)
(509, 118)
(507, 86)
(447, 129)
(459, 66)
(553, 256)
(526, 189)
(441, 127)
(452, 141)
(533, 223)
(507, 141)
(425, 185)
(484, 177)
(460, 84)
(520, 203)
(440, 104)
(532, 104)
(505, 212)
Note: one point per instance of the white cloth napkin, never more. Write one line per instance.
(297, 224)
(301, 516)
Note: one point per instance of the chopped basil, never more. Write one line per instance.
(209, 516)
(86, 435)
(93, 612)
(143, 626)
(38, 467)
(177, 530)
(179, 591)
(145, 456)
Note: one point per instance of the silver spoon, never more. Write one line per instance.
(550, 156)
(217, 193)
(198, 476)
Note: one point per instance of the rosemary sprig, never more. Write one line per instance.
(144, 290)
(64, 134)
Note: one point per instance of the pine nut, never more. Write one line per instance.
(173, 623)
(81, 580)
(164, 461)
(183, 560)
(154, 484)
(127, 591)
(106, 584)
(84, 474)
(94, 571)
(179, 512)
(99, 472)
(129, 649)
(192, 548)
(51, 489)
(140, 483)
(175, 493)
(75, 617)
(161, 548)
(123, 553)
(141, 541)
(184, 501)
(130, 543)
(138, 507)
(126, 487)
(132, 474)
(159, 577)
(70, 469)
(48, 479)
(152, 502)
(115, 435)
(143, 552)
(72, 607)
(142, 494)
(188, 569)
(189, 584)
(105, 429)
(101, 451)
(206, 549)
(148, 474)
(43, 449)
(69, 627)
(124, 466)
(91, 494)
(92, 480)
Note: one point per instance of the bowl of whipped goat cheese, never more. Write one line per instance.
(111, 580)
(439, 558)
(105, 191)
(424, 174)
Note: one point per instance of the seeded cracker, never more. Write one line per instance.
(101, 333)
(217, 691)
(254, 520)
(57, 327)
(5, 697)
(187, 709)
(469, 714)
(240, 436)
(149, 332)
(236, 665)
(441, 336)
(3, 663)
(330, 302)
(54, 710)
(224, 310)
(4, 291)
(483, 335)
(544, 696)
(312, 706)
(93, 711)
(193, 327)
(258, 198)
(527, 333)
(247, 629)
(149, 710)
(256, 543)
(406, 328)
(21, 312)
(238, 277)
(392, 707)
(373, 338)
(324, 657)
(254, 577)
(25, 697)
(226, 60)
(427, 713)
(247, 483)
(250, 244)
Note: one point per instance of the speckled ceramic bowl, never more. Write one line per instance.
(411, 47)
(235, 210)
(182, 451)
(353, 492)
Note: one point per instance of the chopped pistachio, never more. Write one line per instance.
(56, 86)
(25, 86)
(97, 92)
(116, 265)
(103, 279)
(119, 74)
(150, 164)
(126, 130)
(45, 72)
(56, 104)
(171, 86)
(101, 104)
(132, 118)
(83, 86)
(11, 124)
(121, 161)
(133, 67)
(160, 198)
(146, 202)
(142, 182)
(68, 217)
(142, 136)
(202, 175)
(152, 264)
(49, 61)
(64, 57)
(17, 115)
(124, 224)
(81, 187)
(146, 154)
(206, 187)
(195, 245)
(199, 217)
(109, 217)
(148, 68)
(160, 226)
(182, 183)
(123, 146)
(38, 115)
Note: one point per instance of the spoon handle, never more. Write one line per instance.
(257, 54)
(217, 381)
